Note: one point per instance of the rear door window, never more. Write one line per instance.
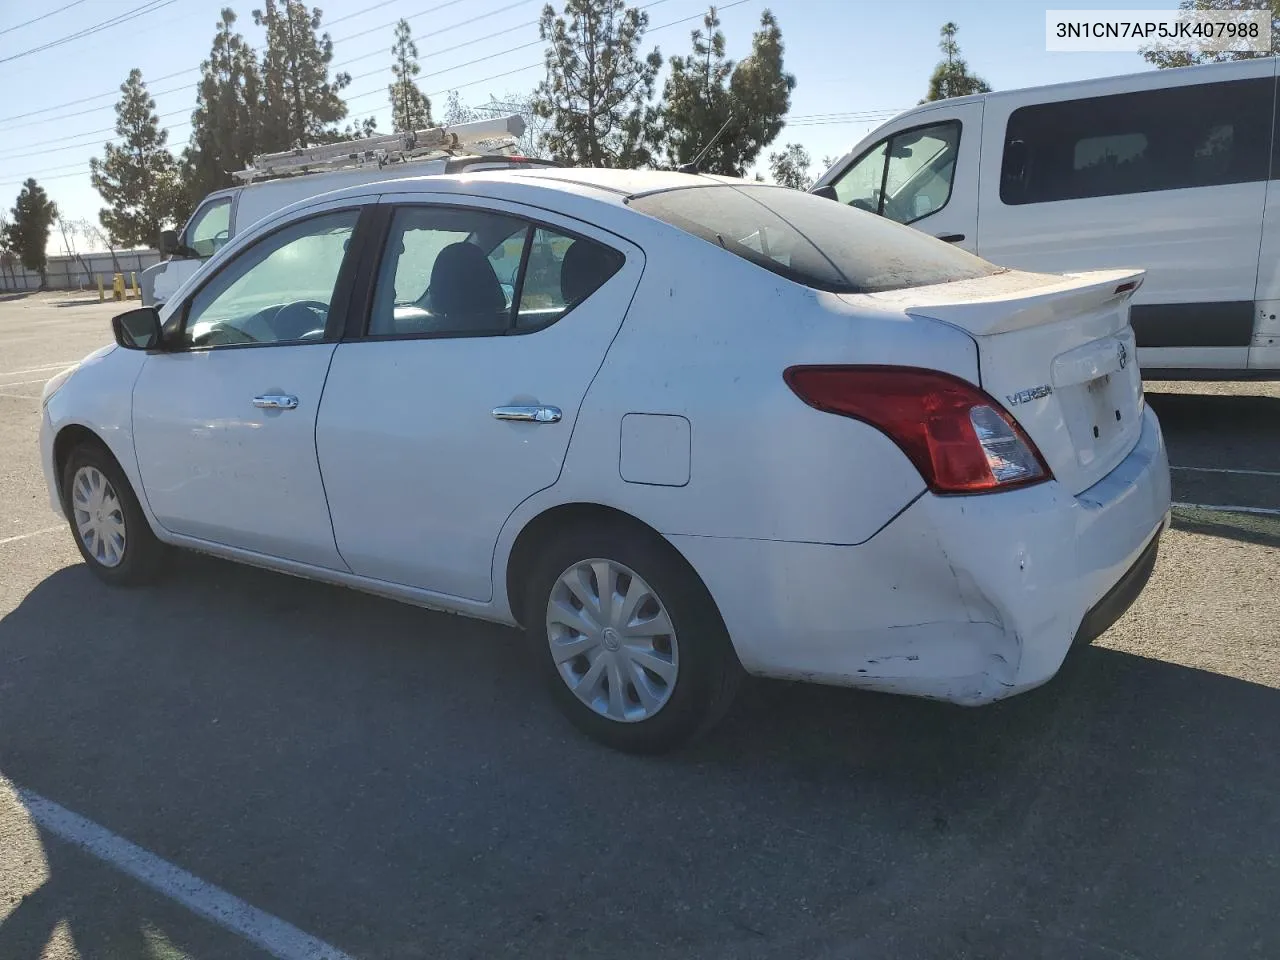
(449, 271)
(824, 245)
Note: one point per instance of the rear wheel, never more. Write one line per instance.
(106, 520)
(628, 639)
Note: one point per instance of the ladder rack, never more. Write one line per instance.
(495, 137)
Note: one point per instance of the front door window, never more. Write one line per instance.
(277, 291)
(210, 228)
(905, 177)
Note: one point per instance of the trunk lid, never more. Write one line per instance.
(1059, 355)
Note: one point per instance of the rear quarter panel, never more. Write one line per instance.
(707, 338)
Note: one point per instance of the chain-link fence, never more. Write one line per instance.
(78, 273)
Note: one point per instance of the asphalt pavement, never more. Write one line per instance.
(392, 783)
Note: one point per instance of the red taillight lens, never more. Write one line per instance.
(958, 437)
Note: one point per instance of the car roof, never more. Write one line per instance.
(607, 185)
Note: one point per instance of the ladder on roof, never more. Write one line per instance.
(488, 137)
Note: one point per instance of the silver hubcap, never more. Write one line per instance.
(612, 640)
(98, 516)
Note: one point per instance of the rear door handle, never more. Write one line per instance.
(276, 401)
(950, 237)
(528, 414)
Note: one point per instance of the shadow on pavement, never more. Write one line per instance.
(1249, 528)
(21, 295)
(394, 782)
(1220, 430)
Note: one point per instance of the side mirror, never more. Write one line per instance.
(137, 329)
(826, 191)
(168, 242)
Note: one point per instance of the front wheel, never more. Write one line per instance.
(629, 641)
(108, 524)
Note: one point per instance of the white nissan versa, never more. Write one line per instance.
(675, 426)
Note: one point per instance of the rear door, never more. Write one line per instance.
(1167, 174)
(454, 397)
(922, 171)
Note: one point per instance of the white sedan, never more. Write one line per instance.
(677, 427)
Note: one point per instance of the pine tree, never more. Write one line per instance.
(790, 168)
(951, 77)
(300, 104)
(137, 177)
(1186, 58)
(224, 126)
(599, 89)
(28, 231)
(705, 91)
(410, 107)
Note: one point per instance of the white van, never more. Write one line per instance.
(1170, 170)
(307, 173)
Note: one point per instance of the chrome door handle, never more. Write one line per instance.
(528, 414)
(276, 401)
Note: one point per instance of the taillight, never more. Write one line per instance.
(958, 437)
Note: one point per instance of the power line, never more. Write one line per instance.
(43, 16)
(151, 6)
(368, 93)
(193, 86)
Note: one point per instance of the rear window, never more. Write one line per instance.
(811, 240)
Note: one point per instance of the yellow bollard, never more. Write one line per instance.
(102, 294)
(117, 286)
(133, 286)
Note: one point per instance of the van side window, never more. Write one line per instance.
(906, 177)
(210, 228)
(1172, 139)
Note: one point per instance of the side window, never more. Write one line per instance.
(277, 291)
(921, 167)
(860, 185)
(562, 271)
(210, 228)
(906, 177)
(1180, 137)
(452, 272)
(447, 271)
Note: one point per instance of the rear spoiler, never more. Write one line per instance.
(1020, 302)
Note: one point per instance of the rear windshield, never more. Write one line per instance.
(811, 240)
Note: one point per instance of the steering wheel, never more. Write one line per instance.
(300, 320)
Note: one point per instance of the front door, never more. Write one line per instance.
(224, 421)
(457, 401)
(923, 173)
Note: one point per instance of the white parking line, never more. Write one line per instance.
(1221, 508)
(33, 533)
(278, 938)
(1247, 473)
(47, 366)
(18, 396)
(23, 383)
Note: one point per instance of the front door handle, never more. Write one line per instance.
(276, 401)
(528, 414)
(950, 237)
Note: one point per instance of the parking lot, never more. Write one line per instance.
(346, 776)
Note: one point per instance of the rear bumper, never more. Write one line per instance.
(965, 599)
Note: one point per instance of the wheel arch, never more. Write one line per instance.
(550, 522)
(69, 437)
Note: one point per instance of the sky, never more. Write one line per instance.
(856, 63)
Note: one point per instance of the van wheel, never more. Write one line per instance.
(628, 639)
(106, 520)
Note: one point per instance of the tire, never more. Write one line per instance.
(696, 653)
(105, 501)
